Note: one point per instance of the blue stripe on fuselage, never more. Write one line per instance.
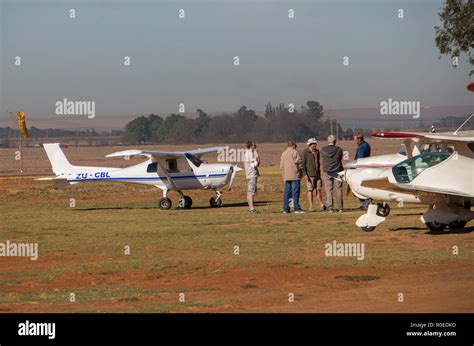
(156, 178)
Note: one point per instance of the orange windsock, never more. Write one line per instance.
(22, 124)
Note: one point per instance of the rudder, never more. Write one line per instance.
(59, 162)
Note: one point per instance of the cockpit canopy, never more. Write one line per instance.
(426, 147)
(407, 170)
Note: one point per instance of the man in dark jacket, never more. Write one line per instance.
(363, 150)
(332, 165)
(311, 171)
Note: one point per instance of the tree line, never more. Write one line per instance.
(34, 132)
(279, 123)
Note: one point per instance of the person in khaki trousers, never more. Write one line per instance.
(292, 168)
(332, 165)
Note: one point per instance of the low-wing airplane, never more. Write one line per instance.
(436, 170)
(166, 170)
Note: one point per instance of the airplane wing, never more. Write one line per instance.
(148, 153)
(200, 152)
(161, 155)
(428, 137)
(126, 153)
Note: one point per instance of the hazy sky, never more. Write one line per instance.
(191, 60)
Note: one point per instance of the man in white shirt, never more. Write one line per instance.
(251, 163)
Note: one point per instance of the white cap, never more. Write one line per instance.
(312, 141)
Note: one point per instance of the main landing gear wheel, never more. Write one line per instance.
(435, 226)
(215, 202)
(165, 203)
(367, 228)
(383, 209)
(457, 225)
(185, 202)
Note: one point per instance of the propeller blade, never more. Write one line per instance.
(235, 169)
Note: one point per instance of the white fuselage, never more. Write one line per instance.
(206, 176)
(453, 176)
(376, 167)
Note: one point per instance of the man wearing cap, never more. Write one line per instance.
(312, 172)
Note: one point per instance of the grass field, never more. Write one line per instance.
(82, 249)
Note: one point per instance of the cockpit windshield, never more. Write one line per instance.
(407, 170)
(195, 160)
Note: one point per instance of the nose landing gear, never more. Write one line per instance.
(216, 202)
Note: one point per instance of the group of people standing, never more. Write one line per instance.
(316, 167)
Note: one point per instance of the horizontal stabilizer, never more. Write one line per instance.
(52, 178)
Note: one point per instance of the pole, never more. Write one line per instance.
(21, 154)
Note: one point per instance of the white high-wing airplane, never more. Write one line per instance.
(436, 170)
(166, 170)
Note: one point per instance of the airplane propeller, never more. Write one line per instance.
(234, 170)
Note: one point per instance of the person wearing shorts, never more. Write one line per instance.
(252, 161)
(312, 173)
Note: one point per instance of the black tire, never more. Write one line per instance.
(215, 203)
(383, 209)
(457, 225)
(189, 202)
(185, 202)
(367, 228)
(165, 203)
(435, 226)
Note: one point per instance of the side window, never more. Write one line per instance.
(407, 170)
(152, 167)
(172, 166)
(195, 160)
(471, 146)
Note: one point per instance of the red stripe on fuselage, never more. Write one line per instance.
(394, 134)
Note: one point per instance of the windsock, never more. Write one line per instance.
(22, 124)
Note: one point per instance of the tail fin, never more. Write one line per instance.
(58, 160)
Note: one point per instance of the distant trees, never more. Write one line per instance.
(34, 132)
(314, 109)
(137, 131)
(278, 124)
(456, 35)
